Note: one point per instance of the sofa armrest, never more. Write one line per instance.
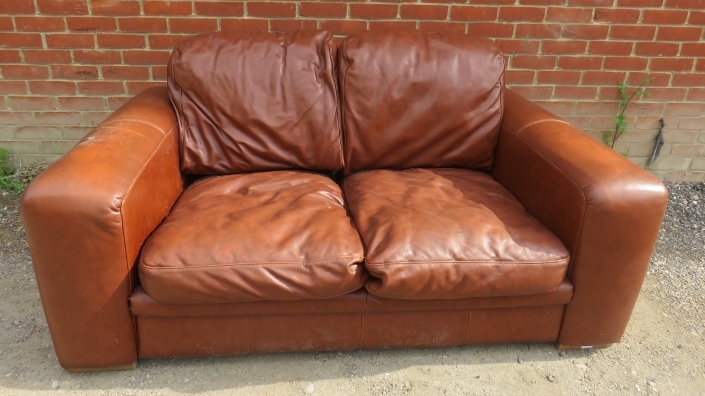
(605, 209)
(86, 218)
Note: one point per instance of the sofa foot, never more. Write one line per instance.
(601, 346)
(111, 368)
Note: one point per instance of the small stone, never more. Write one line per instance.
(651, 383)
(185, 379)
(520, 360)
(55, 385)
(551, 378)
(561, 353)
(637, 387)
(309, 388)
(477, 377)
(16, 323)
(679, 346)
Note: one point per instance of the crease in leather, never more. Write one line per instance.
(223, 265)
(576, 246)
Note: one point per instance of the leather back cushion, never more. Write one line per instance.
(414, 99)
(256, 101)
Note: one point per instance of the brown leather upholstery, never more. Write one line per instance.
(86, 218)
(450, 233)
(415, 99)
(282, 235)
(605, 209)
(142, 304)
(256, 101)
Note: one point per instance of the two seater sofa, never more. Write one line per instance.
(285, 193)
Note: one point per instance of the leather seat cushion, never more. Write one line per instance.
(255, 101)
(450, 233)
(280, 235)
(413, 99)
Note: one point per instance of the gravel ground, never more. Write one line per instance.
(661, 353)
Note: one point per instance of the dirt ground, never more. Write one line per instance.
(662, 352)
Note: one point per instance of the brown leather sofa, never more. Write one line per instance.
(285, 193)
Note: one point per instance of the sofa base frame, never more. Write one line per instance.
(123, 367)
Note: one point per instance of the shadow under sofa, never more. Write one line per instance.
(104, 223)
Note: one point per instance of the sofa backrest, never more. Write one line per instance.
(251, 102)
(414, 99)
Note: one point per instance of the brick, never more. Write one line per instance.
(344, 27)
(142, 25)
(17, 7)
(656, 49)
(62, 7)
(75, 132)
(96, 56)
(121, 41)
(74, 72)
(542, 30)
(698, 164)
(569, 15)
(671, 33)
(639, 3)
(15, 118)
(95, 117)
(671, 64)
(70, 40)
(40, 24)
(81, 103)
(533, 92)
(684, 109)
(608, 93)
(24, 72)
(271, 9)
(415, 11)
(695, 123)
(658, 79)
(146, 57)
(473, 13)
(580, 62)
(52, 87)
(519, 77)
(13, 87)
(542, 2)
(558, 77)
(696, 18)
(688, 80)
(6, 24)
(333, 10)
(595, 108)
(47, 56)
(100, 88)
(603, 77)
(644, 109)
(167, 8)
(20, 40)
(159, 72)
(670, 94)
(91, 24)
(616, 15)
(215, 8)
(700, 66)
(115, 7)
(631, 32)
(58, 117)
(369, 11)
(135, 87)
(518, 46)
(239, 25)
(591, 32)
(10, 56)
(530, 14)
(33, 132)
(573, 92)
(442, 27)
(685, 3)
(125, 72)
(563, 47)
(610, 48)
(533, 62)
(493, 1)
(692, 49)
(665, 17)
(489, 29)
(688, 150)
(290, 25)
(695, 93)
(31, 102)
(392, 25)
(558, 108)
(651, 123)
(192, 25)
(625, 63)
(670, 163)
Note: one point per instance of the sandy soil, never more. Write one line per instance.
(661, 353)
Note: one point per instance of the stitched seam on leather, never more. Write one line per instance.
(123, 120)
(471, 262)
(501, 112)
(534, 123)
(342, 98)
(582, 193)
(300, 263)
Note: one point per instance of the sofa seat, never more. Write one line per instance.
(282, 235)
(448, 234)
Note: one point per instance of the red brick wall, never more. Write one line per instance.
(66, 64)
